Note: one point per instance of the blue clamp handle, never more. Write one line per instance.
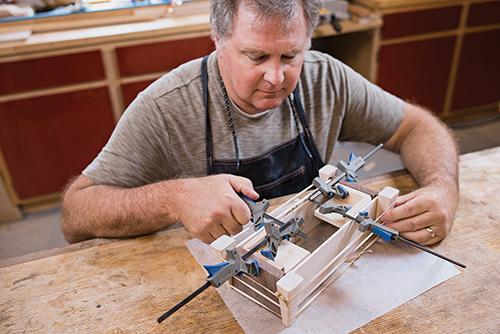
(267, 253)
(214, 268)
(383, 234)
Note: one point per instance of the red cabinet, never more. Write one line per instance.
(55, 116)
(53, 71)
(443, 56)
(156, 58)
(478, 73)
(57, 111)
(418, 70)
(47, 140)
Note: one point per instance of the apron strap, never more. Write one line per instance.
(309, 137)
(208, 128)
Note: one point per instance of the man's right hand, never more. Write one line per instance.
(210, 207)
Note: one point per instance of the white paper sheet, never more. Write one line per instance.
(378, 282)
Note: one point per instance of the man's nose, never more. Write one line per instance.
(274, 73)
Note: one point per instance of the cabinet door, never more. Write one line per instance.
(478, 75)
(48, 140)
(417, 70)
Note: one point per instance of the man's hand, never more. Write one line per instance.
(428, 207)
(210, 207)
(430, 154)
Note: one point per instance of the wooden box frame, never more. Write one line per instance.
(288, 285)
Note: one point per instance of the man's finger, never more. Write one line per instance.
(422, 236)
(407, 209)
(242, 185)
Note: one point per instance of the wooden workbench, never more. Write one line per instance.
(109, 286)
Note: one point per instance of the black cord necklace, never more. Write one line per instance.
(231, 123)
(233, 130)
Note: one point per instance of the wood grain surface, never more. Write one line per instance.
(469, 302)
(124, 286)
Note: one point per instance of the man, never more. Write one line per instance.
(265, 108)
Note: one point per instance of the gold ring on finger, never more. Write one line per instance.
(431, 232)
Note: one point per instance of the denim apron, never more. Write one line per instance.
(282, 170)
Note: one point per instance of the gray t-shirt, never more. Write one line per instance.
(161, 135)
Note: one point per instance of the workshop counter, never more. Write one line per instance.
(109, 285)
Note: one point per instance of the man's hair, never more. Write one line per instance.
(223, 14)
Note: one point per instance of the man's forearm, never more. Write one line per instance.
(429, 150)
(91, 211)
(207, 206)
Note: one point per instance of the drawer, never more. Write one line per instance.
(26, 75)
(163, 56)
(421, 22)
(47, 140)
(484, 13)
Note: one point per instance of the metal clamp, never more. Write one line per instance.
(290, 230)
(220, 273)
(328, 190)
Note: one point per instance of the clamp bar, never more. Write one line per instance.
(368, 224)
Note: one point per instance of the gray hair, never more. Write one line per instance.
(223, 14)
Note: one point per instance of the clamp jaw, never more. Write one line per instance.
(368, 224)
(220, 273)
(257, 211)
(328, 190)
(327, 208)
(275, 229)
(290, 230)
(355, 163)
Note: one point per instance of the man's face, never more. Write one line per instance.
(260, 65)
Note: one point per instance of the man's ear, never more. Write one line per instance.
(218, 43)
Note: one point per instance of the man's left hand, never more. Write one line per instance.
(424, 216)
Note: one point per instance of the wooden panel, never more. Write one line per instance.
(47, 140)
(50, 72)
(131, 90)
(417, 70)
(478, 75)
(420, 22)
(484, 13)
(163, 56)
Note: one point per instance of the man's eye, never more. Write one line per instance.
(289, 57)
(256, 59)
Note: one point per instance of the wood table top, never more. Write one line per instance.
(123, 286)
